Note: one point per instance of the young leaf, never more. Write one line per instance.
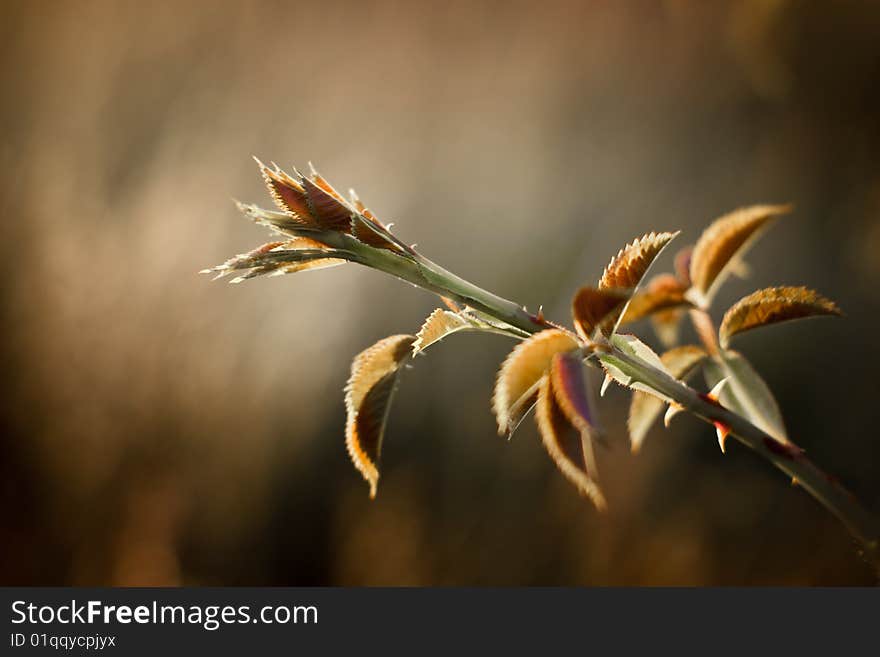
(746, 393)
(439, 324)
(773, 305)
(570, 449)
(276, 258)
(329, 212)
(725, 241)
(663, 292)
(368, 396)
(517, 383)
(631, 263)
(594, 310)
(644, 409)
(288, 193)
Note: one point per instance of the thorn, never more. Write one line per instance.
(794, 481)
(389, 225)
(540, 316)
(312, 169)
(413, 246)
(715, 392)
(723, 431)
(206, 271)
(353, 195)
(674, 409)
(605, 384)
(259, 163)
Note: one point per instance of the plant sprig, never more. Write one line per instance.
(319, 228)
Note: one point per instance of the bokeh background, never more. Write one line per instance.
(161, 429)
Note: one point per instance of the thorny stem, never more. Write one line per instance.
(421, 272)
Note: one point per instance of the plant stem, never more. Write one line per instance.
(426, 274)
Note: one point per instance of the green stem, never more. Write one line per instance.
(423, 273)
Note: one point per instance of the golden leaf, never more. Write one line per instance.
(773, 305)
(631, 263)
(570, 449)
(725, 241)
(662, 292)
(439, 324)
(594, 310)
(644, 409)
(520, 374)
(368, 397)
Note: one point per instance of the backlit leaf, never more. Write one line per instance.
(594, 310)
(644, 409)
(519, 376)
(631, 263)
(287, 192)
(328, 211)
(725, 241)
(662, 292)
(746, 393)
(276, 258)
(771, 306)
(570, 448)
(439, 324)
(368, 396)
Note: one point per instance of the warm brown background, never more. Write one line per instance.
(158, 428)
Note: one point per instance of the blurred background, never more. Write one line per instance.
(161, 429)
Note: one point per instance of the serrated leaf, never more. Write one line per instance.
(623, 372)
(368, 396)
(663, 292)
(287, 192)
(644, 409)
(328, 211)
(725, 241)
(771, 306)
(372, 233)
(440, 324)
(570, 449)
(275, 258)
(746, 393)
(517, 382)
(631, 263)
(596, 310)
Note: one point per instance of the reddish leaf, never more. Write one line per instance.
(596, 310)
